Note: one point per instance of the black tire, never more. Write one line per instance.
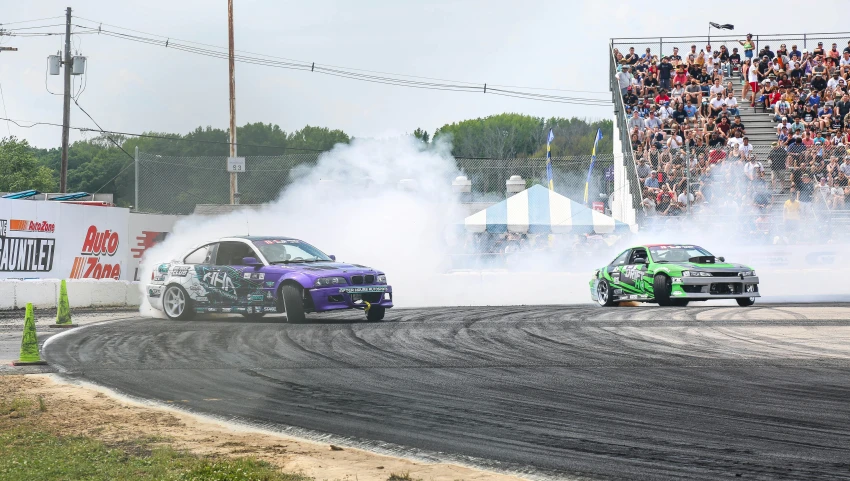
(745, 301)
(376, 313)
(679, 302)
(604, 296)
(175, 294)
(661, 288)
(293, 303)
(253, 316)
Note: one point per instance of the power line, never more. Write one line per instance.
(386, 78)
(31, 21)
(3, 97)
(151, 136)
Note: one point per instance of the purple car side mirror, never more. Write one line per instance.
(251, 261)
(333, 257)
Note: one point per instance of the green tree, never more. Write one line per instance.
(421, 135)
(515, 135)
(20, 170)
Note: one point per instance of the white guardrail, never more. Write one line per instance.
(43, 293)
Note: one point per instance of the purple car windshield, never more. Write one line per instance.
(289, 250)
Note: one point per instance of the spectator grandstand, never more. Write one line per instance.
(754, 139)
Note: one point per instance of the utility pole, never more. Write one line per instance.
(66, 107)
(234, 187)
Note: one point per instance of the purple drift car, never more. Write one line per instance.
(254, 276)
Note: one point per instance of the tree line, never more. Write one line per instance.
(104, 163)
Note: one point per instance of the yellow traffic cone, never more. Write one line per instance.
(29, 342)
(63, 311)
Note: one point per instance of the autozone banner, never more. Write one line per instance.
(94, 242)
(28, 243)
(53, 240)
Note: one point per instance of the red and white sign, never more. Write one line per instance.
(599, 207)
(21, 225)
(96, 262)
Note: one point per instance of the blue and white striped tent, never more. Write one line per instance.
(538, 210)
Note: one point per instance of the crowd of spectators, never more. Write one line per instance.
(693, 155)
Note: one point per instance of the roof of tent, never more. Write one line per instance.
(538, 210)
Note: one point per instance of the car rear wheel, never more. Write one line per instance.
(604, 296)
(293, 303)
(376, 313)
(176, 303)
(679, 302)
(661, 287)
(745, 301)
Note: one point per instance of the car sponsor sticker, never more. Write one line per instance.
(359, 290)
(163, 268)
(179, 271)
(154, 291)
(269, 283)
(255, 298)
(254, 276)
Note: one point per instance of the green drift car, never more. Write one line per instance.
(672, 275)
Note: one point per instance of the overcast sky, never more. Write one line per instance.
(134, 87)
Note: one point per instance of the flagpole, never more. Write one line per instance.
(549, 178)
(592, 161)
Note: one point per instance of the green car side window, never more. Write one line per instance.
(621, 259)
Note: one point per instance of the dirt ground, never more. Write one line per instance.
(87, 411)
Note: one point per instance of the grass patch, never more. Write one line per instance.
(34, 455)
(405, 476)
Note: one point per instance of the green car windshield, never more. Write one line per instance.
(674, 253)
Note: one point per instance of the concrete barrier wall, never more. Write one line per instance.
(44, 293)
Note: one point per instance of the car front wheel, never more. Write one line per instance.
(661, 288)
(745, 301)
(293, 303)
(375, 313)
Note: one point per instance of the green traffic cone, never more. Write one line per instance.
(63, 311)
(29, 342)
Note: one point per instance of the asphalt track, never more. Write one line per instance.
(566, 392)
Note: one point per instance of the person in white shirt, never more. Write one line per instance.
(736, 140)
(844, 63)
(666, 111)
(783, 125)
(835, 81)
(845, 167)
(674, 142)
(732, 104)
(717, 89)
(717, 104)
(747, 149)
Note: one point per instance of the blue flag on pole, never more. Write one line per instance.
(549, 178)
(592, 161)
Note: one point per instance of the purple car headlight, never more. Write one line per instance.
(381, 279)
(330, 281)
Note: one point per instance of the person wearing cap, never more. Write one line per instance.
(836, 81)
(748, 46)
(624, 79)
(767, 52)
(819, 50)
(652, 180)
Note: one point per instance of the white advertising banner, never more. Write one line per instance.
(53, 240)
(28, 239)
(93, 242)
(146, 231)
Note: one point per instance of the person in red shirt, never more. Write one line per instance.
(716, 156)
(774, 97)
(662, 97)
(681, 76)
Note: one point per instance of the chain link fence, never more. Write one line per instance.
(175, 185)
